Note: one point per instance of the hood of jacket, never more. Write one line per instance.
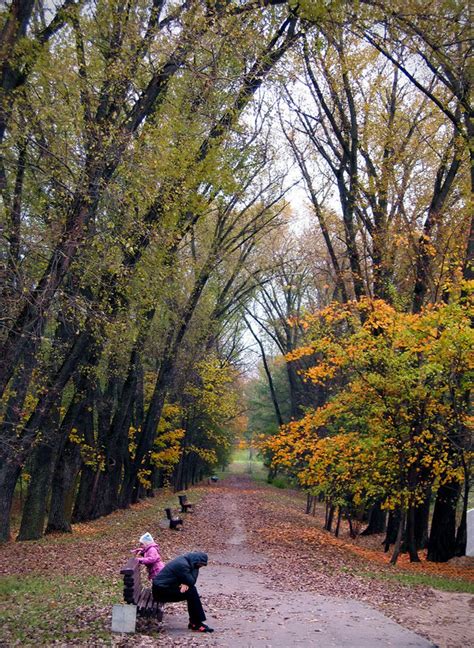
(197, 557)
(149, 546)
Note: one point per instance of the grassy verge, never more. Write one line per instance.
(427, 580)
(243, 463)
(36, 610)
(71, 602)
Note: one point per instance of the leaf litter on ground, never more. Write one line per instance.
(83, 580)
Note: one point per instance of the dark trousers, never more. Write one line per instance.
(191, 596)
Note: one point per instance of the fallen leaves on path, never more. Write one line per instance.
(287, 547)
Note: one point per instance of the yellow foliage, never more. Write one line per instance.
(143, 476)
(398, 420)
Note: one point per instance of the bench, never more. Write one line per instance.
(137, 594)
(186, 507)
(174, 521)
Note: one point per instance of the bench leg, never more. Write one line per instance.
(159, 612)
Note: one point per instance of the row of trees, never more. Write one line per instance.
(134, 212)
(395, 424)
(376, 117)
(145, 219)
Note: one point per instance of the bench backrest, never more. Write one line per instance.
(182, 499)
(132, 584)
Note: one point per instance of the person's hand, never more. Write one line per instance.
(183, 588)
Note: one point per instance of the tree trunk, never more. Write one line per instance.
(64, 489)
(109, 481)
(17, 18)
(377, 520)
(8, 434)
(20, 384)
(272, 473)
(105, 491)
(338, 524)
(52, 395)
(86, 493)
(329, 517)
(9, 473)
(422, 515)
(411, 539)
(147, 436)
(268, 374)
(162, 384)
(83, 504)
(352, 532)
(461, 535)
(442, 541)
(69, 461)
(443, 183)
(35, 508)
(295, 395)
(398, 541)
(392, 529)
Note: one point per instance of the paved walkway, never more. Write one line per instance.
(247, 613)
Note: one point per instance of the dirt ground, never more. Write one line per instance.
(274, 578)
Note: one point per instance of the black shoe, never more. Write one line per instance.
(201, 627)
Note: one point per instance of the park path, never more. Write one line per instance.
(242, 602)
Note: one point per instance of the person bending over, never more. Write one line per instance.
(177, 582)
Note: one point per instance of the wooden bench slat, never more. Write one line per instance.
(130, 566)
(134, 592)
(150, 604)
(142, 599)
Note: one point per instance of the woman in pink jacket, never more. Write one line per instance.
(149, 554)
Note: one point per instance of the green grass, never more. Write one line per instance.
(428, 580)
(242, 464)
(243, 456)
(282, 482)
(36, 610)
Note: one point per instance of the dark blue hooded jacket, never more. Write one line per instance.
(181, 571)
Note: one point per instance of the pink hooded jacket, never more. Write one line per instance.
(152, 559)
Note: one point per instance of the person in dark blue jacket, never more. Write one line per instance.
(177, 582)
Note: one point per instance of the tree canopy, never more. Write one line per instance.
(154, 154)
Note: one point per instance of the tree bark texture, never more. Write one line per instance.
(41, 467)
(63, 490)
(442, 541)
(377, 520)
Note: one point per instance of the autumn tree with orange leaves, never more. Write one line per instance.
(396, 425)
